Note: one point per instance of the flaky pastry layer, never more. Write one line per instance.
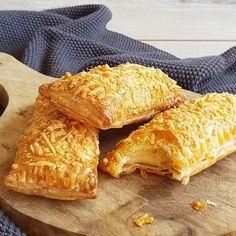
(111, 97)
(57, 157)
(179, 142)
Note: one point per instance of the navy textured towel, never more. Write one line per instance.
(75, 38)
(8, 228)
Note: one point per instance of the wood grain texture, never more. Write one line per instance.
(120, 201)
(186, 49)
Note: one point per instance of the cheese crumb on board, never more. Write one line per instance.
(199, 206)
(145, 219)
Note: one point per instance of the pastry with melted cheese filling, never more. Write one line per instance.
(179, 142)
(111, 97)
(57, 157)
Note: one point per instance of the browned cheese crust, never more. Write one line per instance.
(111, 97)
(57, 157)
(179, 142)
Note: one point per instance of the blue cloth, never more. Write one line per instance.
(8, 228)
(75, 38)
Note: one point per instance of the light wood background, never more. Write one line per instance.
(186, 28)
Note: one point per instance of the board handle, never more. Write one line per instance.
(4, 99)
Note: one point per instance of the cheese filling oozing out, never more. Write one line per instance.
(159, 159)
(153, 157)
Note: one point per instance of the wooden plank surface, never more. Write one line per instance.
(184, 49)
(120, 201)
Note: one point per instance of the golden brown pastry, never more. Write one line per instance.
(179, 142)
(111, 97)
(199, 206)
(57, 157)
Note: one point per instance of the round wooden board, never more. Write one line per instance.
(120, 201)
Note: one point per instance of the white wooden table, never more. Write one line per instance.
(186, 28)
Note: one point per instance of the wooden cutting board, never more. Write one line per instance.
(120, 201)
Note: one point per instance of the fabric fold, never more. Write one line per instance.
(76, 38)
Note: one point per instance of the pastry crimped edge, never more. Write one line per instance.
(37, 166)
(91, 110)
(53, 193)
(100, 119)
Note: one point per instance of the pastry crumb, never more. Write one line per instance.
(199, 206)
(185, 180)
(105, 161)
(68, 74)
(145, 219)
(143, 173)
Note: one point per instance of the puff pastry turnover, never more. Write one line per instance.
(57, 157)
(179, 142)
(111, 97)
